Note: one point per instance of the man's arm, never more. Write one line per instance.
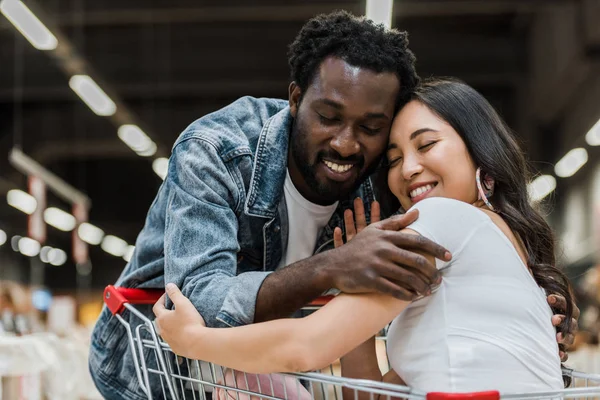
(379, 259)
(201, 251)
(200, 239)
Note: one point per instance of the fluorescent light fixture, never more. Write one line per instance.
(150, 151)
(114, 245)
(380, 11)
(128, 253)
(29, 247)
(541, 187)
(137, 140)
(92, 95)
(21, 201)
(44, 254)
(90, 233)
(571, 162)
(160, 166)
(28, 24)
(593, 136)
(57, 257)
(3, 237)
(14, 242)
(59, 219)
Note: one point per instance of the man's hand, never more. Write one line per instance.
(382, 259)
(174, 326)
(559, 304)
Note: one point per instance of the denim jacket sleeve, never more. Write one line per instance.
(201, 234)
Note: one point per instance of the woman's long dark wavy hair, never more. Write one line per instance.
(493, 147)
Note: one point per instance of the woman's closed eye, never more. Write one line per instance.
(427, 146)
(393, 161)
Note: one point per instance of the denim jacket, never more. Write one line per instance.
(216, 228)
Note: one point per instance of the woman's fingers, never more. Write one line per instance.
(337, 237)
(375, 212)
(359, 214)
(159, 307)
(349, 224)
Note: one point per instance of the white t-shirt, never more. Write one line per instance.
(488, 326)
(305, 220)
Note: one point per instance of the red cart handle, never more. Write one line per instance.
(115, 298)
(491, 395)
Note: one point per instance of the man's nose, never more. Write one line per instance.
(345, 143)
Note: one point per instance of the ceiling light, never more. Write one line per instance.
(137, 140)
(21, 201)
(114, 245)
(3, 237)
(541, 187)
(29, 247)
(571, 162)
(28, 24)
(150, 151)
(44, 254)
(90, 233)
(92, 95)
(593, 136)
(59, 219)
(57, 257)
(128, 253)
(160, 166)
(14, 242)
(380, 11)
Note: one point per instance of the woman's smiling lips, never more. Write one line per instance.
(418, 191)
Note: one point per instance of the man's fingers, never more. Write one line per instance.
(385, 286)
(375, 212)
(564, 356)
(557, 319)
(576, 311)
(558, 302)
(409, 279)
(398, 222)
(359, 214)
(565, 340)
(349, 224)
(420, 243)
(403, 262)
(337, 237)
(159, 306)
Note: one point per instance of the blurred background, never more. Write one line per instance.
(93, 94)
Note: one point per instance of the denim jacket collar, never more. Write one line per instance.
(270, 166)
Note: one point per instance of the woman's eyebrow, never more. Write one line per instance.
(419, 131)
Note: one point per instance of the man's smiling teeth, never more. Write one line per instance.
(337, 167)
(420, 190)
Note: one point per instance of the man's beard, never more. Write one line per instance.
(326, 189)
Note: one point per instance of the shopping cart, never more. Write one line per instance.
(181, 378)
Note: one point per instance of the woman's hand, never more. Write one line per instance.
(177, 326)
(361, 221)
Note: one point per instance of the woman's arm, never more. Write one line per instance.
(286, 345)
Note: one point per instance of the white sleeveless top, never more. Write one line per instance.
(488, 326)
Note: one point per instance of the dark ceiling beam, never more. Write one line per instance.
(216, 88)
(48, 153)
(295, 12)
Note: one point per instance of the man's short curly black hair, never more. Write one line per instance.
(356, 40)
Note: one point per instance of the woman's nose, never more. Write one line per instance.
(411, 167)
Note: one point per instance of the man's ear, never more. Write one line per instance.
(295, 94)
